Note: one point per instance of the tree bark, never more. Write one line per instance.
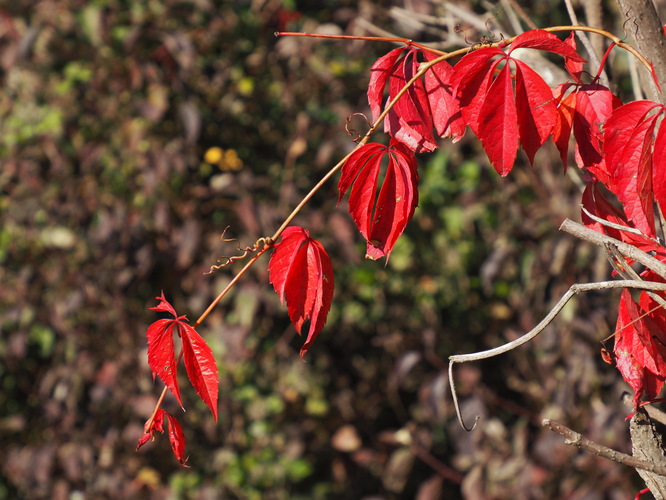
(645, 30)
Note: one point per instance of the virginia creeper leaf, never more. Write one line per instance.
(176, 436)
(161, 352)
(628, 140)
(379, 75)
(537, 113)
(302, 275)
(177, 439)
(566, 107)
(410, 120)
(498, 130)
(543, 40)
(574, 67)
(199, 360)
(382, 218)
(586, 111)
(444, 107)
(200, 366)
(639, 356)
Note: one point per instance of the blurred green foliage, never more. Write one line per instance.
(132, 134)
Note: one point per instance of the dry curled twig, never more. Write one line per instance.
(225, 261)
(352, 131)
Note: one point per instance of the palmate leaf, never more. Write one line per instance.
(500, 115)
(199, 360)
(410, 119)
(302, 275)
(381, 218)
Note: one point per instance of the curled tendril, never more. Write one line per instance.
(224, 261)
(351, 131)
(484, 39)
(629, 19)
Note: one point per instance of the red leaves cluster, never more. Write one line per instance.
(506, 104)
(302, 275)
(199, 364)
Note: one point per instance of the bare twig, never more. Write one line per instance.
(574, 290)
(594, 57)
(610, 224)
(574, 438)
(629, 251)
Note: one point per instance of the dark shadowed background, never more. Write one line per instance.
(133, 133)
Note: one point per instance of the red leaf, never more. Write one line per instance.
(575, 68)
(446, 114)
(409, 121)
(594, 105)
(639, 357)
(156, 424)
(543, 40)
(302, 275)
(200, 366)
(161, 356)
(199, 360)
(176, 436)
(164, 306)
(537, 113)
(382, 218)
(566, 108)
(489, 107)
(472, 78)
(498, 130)
(659, 168)
(177, 439)
(628, 142)
(597, 204)
(379, 75)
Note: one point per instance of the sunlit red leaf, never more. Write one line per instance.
(628, 141)
(177, 439)
(472, 78)
(410, 119)
(446, 114)
(498, 130)
(537, 113)
(379, 76)
(639, 351)
(200, 366)
(161, 352)
(199, 360)
(574, 67)
(543, 40)
(382, 218)
(302, 275)
(176, 436)
(585, 110)
(566, 107)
